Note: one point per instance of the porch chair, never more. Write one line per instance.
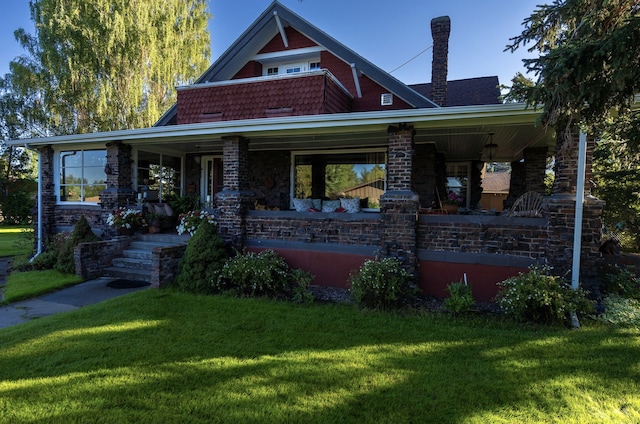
(527, 205)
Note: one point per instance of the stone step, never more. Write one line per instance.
(165, 239)
(133, 263)
(146, 245)
(128, 273)
(143, 254)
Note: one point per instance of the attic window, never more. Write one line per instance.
(272, 71)
(314, 66)
(386, 99)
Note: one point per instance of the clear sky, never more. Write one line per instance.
(386, 32)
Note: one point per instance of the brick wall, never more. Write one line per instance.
(525, 237)
(270, 176)
(440, 30)
(165, 264)
(91, 258)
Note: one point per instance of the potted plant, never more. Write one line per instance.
(157, 222)
(190, 221)
(126, 221)
(452, 202)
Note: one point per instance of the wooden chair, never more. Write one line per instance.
(527, 205)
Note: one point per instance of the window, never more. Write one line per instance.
(314, 66)
(82, 175)
(159, 175)
(458, 182)
(341, 174)
(288, 68)
(272, 71)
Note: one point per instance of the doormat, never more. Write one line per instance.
(123, 283)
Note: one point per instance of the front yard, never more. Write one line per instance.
(160, 356)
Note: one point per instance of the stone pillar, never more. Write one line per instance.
(399, 205)
(535, 164)
(560, 210)
(236, 198)
(47, 219)
(119, 170)
(517, 184)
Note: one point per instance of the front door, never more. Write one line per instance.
(211, 178)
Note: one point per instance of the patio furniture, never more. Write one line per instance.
(528, 205)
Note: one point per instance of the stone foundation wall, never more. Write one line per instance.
(525, 237)
(361, 229)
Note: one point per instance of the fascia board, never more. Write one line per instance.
(512, 113)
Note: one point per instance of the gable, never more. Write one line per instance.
(278, 29)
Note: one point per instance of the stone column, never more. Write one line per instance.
(47, 219)
(535, 164)
(560, 210)
(119, 191)
(236, 198)
(400, 204)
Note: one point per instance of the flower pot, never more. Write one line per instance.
(451, 209)
(123, 231)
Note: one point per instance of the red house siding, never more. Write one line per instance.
(370, 90)
(250, 70)
(296, 41)
(304, 95)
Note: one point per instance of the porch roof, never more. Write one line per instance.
(459, 132)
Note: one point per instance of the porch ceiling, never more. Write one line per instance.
(458, 132)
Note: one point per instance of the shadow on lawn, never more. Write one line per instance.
(164, 356)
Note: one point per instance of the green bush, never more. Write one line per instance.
(621, 280)
(383, 284)
(460, 298)
(17, 208)
(538, 297)
(263, 274)
(81, 233)
(204, 256)
(620, 311)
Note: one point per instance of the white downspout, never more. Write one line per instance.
(577, 228)
(577, 225)
(39, 213)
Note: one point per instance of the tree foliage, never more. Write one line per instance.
(589, 57)
(104, 65)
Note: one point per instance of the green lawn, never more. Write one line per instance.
(158, 356)
(25, 285)
(14, 240)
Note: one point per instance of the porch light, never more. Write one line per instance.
(491, 148)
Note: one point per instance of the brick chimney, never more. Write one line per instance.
(440, 29)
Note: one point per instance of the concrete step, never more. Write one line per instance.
(143, 254)
(146, 245)
(132, 263)
(128, 273)
(165, 239)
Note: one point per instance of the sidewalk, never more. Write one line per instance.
(83, 294)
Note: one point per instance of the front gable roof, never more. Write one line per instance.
(273, 22)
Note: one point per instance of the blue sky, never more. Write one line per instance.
(387, 33)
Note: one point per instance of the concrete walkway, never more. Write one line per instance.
(83, 294)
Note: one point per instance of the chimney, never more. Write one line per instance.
(440, 29)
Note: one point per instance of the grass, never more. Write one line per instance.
(14, 240)
(24, 285)
(159, 356)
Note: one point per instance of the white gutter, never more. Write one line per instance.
(449, 116)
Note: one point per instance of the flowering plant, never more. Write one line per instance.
(454, 199)
(190, 221)
(126, 218)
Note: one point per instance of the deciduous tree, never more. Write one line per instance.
(100, 65)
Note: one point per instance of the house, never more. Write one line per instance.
(283, 110)
(495, 189)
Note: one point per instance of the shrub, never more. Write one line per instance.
(383, 284)
(17, 208)
(263, 274)
(81, 233)
(460, 297)
(621, 281)
(537, 296)
(620, 311)
(204, 256)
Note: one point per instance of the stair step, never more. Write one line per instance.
(147, 245)
(143, 254)
(128, 273)
(133, 263)
(165, 239)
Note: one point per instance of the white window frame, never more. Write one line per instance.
(136, 183)
(57, 170)
(467, 201)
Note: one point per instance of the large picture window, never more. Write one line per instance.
(330, 175)
(82, 175)
(159, 175)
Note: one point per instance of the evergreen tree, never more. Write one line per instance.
(100, 65)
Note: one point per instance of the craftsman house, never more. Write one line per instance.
(292, 120)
